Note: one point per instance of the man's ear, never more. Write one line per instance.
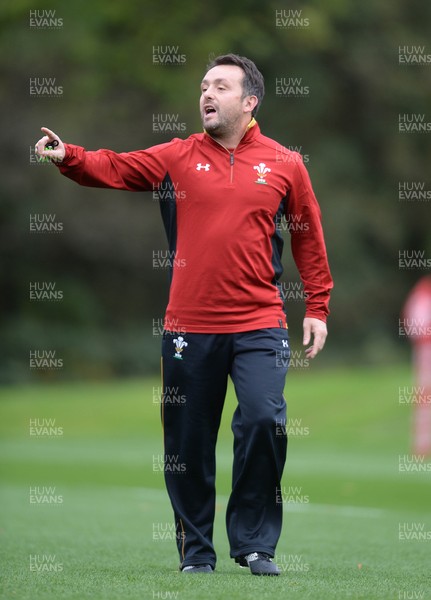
(250, 103)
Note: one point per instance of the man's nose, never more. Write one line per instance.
(208, 93)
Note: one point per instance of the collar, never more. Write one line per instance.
(252, 123)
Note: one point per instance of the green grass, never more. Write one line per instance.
(340, 541)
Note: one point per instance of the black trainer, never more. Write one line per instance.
(197, 569)
(259, 563)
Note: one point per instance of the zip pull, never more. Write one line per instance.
(231, 167)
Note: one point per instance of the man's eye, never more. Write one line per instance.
(220, 87)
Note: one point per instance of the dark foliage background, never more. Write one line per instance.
(102, 55)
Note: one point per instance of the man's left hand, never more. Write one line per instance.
(316, 330)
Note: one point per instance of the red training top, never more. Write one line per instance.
(223, 212)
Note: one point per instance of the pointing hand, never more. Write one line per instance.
(50, 146)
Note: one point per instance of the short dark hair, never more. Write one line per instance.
(252, 83)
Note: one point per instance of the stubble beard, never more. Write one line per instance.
(222, 126)
(216, 126)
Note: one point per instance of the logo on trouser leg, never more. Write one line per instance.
(180, 344)
(282, 357)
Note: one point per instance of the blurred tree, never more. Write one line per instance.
(102, 55)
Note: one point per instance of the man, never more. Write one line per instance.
(223, 230)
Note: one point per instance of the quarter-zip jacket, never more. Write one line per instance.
(223, 215)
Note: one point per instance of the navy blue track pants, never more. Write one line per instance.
(195, 369)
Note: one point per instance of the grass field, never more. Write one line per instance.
(85, 516)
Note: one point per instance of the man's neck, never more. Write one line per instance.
(231, 140)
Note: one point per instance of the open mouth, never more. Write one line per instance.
(209, 110)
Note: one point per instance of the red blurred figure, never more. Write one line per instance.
(417, 325)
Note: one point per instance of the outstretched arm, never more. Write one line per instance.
(134, 171)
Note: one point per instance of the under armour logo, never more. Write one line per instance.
(285, 344)
(200, 166)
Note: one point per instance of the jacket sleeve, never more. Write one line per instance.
(308, 244)
(133, 171)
